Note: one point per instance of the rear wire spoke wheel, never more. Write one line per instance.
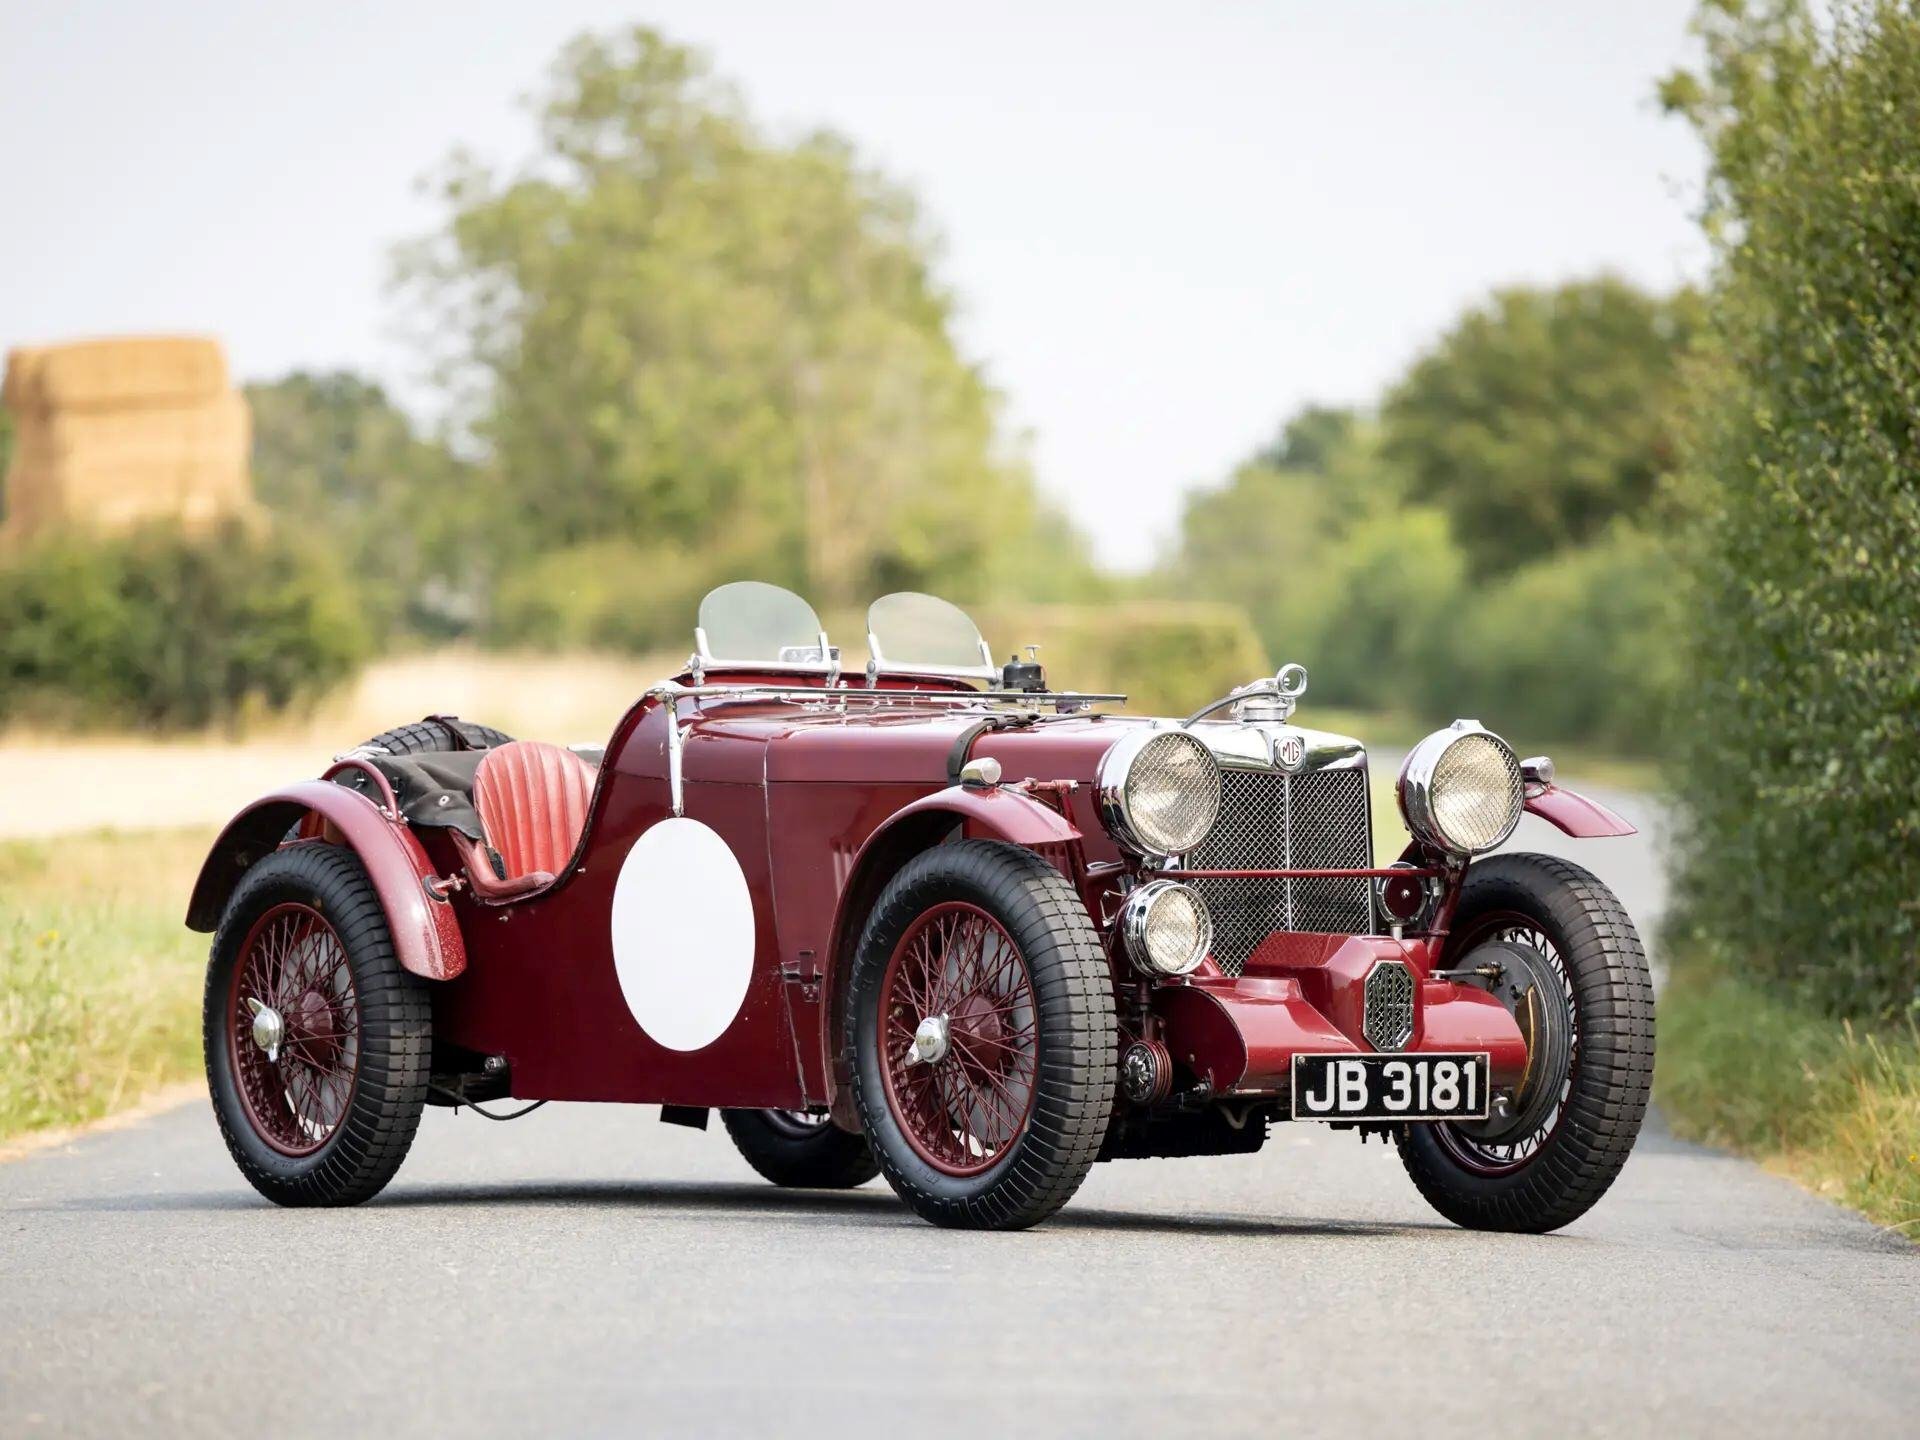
(294, 985)
(799, 1149)
(317, 1042)
(1551, 1170)
(981, 1028)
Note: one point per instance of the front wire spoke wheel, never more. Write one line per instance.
(979, 1027)
(966, 1104)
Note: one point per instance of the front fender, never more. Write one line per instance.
(1578, 816)
(426, 936)
(994, 813)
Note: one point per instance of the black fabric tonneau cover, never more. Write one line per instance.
(435, 788)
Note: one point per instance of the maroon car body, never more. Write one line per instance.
(822, 790)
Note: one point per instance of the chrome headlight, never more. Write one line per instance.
(1461, 789)
(1159, 791)
(1167, 928)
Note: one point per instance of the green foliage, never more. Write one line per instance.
(1256, 542)
(607, 595)
(1377, 622)
(1743, 1067)
(1315, 439)
(1167, 658)
(333, 456)
(679, 332)
(6, 454)
(165, 630)
(1544, 415)
(1800, 754)
(1371, 590)
(1576, 646)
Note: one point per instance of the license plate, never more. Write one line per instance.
(1390, 1087)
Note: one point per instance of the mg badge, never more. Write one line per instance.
(1290, 750)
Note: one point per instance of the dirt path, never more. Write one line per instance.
(51, 785)
(64, 789)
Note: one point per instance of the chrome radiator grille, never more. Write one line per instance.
(1269, 820)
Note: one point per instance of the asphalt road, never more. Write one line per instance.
(589, 1271)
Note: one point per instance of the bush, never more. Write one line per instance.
(1168, 659)
(610, 595)
(159, 628)
(1382, 598)
(1800, 771)
(1574, 647)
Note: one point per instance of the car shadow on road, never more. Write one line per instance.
(872, 1205)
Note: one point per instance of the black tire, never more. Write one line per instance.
(1074, 1026)
(1588, 1140)
(430, 736)
(388, 1088)
(800, 1152)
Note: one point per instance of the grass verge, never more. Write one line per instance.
(1836, 1109)
(99, 979)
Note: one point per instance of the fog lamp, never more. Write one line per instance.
(1166, 928)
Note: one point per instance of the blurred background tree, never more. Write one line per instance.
(1543, 415)
(1488, 545)
(333, 456)
(695, 353)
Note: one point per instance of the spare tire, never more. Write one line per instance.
(434, 734)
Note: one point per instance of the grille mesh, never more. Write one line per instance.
(1389, 1013)
(1273, 821)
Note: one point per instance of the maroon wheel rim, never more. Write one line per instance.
(293, 965)
(964, 1110)
(1506, 1157)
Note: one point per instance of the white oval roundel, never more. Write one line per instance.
(682, 934)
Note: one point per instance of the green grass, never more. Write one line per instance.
(1834, 1108)
(99, 979)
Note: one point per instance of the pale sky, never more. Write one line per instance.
(1168, 225)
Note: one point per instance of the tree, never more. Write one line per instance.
(706, 343)
(333, 457)
(6, 455)
(1801, 843)
(1312, 438)
(1269, 538)
(1544, 414)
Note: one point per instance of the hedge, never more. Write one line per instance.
(163, 629)
(1168, 658)
(1800, 764)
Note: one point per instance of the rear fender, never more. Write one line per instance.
(426, 936)
(1578, 816)
(990, 813)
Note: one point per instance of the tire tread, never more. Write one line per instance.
(1613, 993)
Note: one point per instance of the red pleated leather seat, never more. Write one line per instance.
(532, 798)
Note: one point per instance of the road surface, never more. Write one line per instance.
(588, 1271)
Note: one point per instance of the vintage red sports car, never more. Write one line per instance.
(932, 920)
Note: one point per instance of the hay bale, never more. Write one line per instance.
(113, 434)
(114, 374)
